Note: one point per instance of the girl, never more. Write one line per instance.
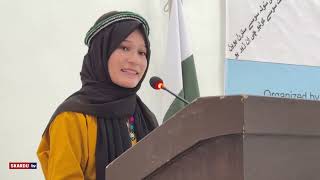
(105, 117)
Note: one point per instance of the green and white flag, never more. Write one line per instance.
(180, 74)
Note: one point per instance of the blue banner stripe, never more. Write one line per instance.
(271, 79)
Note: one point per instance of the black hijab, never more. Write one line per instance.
(111, 104)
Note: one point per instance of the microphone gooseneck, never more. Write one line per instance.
(157, 83)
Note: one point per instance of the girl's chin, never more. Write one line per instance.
(129, 83)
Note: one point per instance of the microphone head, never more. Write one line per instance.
(156, 83)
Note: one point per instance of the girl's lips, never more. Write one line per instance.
(130, 71)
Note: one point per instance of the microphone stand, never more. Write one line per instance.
(164, 88)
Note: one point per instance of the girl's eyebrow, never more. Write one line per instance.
(126, 40)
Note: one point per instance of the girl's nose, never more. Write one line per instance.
(134, 57)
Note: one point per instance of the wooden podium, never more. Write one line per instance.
(229, 138)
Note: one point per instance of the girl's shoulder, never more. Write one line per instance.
(72, 120)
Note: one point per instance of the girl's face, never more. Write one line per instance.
(127, 64)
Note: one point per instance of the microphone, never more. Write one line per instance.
(157, 83)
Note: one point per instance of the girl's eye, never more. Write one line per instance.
(143, 53)
(124, 48)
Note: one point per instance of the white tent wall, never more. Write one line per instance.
(41, 54)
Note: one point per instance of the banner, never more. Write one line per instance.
(272, 48)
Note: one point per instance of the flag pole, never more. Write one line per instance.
(169, 4)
